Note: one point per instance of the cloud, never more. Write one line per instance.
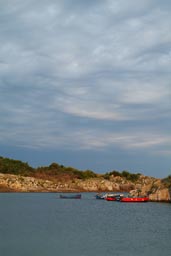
(163, 153)
(74, 42)
(94, 74)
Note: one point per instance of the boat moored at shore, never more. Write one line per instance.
(76, 196)
(100, 196)
(122, 198)
(110, 196)
(114, 197)
(134, 199)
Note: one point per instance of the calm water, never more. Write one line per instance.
(43, 225)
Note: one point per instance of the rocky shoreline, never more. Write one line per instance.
(154, 188)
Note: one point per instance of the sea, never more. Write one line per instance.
(42, 224)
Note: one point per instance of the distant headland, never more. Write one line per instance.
(17, 176)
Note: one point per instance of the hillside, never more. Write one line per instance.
(51, 172)
(16, 176)
(58, 172)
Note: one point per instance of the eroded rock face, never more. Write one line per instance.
(154, 188)
(24, 184)
(28, 184)
(163, 194)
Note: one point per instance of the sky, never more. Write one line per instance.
(87, 84)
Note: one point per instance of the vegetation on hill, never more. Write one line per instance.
(124, 174)
(54, 170)
(167, 181)
(60, 172)
(14, 167)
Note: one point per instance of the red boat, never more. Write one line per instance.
(111, 198)
(114, 197)
(134, 199)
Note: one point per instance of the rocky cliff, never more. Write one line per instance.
(18, 183)
(156, 189)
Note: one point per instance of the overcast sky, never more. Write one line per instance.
(87, 84)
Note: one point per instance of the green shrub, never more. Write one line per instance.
(125, 174)
(167, 181)
(11, 166)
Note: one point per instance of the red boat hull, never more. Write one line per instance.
(134, 199)
(110, 198)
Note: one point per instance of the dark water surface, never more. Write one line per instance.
(41, 224)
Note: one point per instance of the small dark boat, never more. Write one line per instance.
(105, 196)
(134, 199)
(100, 196)
(77, 196)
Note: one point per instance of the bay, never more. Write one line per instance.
(41, 224)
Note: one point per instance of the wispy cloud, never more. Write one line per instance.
(98, 71)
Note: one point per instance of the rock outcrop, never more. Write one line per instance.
(16, 183)
(156, 189)
(10, 182)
